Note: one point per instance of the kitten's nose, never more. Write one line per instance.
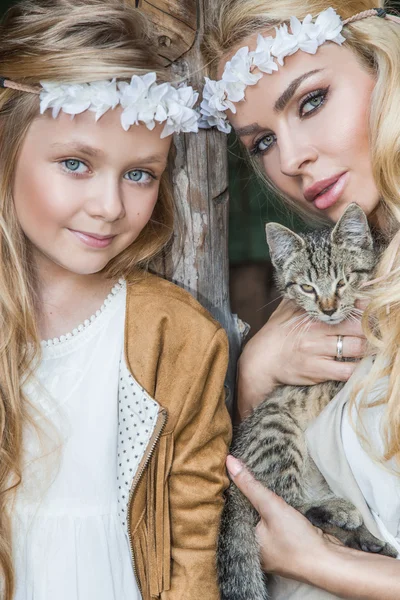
(329, 312)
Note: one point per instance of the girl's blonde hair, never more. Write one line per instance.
(376, 43)
(56, 40)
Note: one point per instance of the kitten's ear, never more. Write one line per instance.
(352, 229)
(282, 243)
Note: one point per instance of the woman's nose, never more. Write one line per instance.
(295, 155)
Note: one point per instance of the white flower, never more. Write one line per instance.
(181, 117)
(329, 26)
(262, 57)
(284, 44)
(141, 100)
(216, 100)
(238, 69)
(137, 101)
(217, 120)
(215, 94)
(104, 95)
(71, 99)
(303, 31)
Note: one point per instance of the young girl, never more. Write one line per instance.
(312, 89)
(113, 430)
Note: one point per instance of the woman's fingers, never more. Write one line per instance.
(261, 498)
(334, 370)
(352, 347)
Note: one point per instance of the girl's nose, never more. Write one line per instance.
(107, 201)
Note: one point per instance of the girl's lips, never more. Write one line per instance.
(91, 240)
(332, 195)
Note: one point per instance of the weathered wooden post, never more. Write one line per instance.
(200, 175)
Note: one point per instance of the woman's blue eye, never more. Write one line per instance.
(138, 176)
(266, 143)
(312, 104)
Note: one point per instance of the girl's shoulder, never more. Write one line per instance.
(158, 300)
(173, 347)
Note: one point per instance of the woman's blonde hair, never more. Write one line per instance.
(376, 43)
(56, 40)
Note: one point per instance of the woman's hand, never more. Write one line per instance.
(289, 543)
(286, 352)
(291, 547)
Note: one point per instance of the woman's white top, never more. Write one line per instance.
(69, 541)
(380, 487)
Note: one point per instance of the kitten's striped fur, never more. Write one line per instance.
(271, 442)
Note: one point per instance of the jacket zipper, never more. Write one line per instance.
(158, 429)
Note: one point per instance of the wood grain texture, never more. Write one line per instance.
(176, 25)
(199, 170)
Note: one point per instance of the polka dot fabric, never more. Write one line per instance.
(137, 416)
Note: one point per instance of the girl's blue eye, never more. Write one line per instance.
(74, 165)
(138, 176)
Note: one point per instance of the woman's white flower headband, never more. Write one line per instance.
(142, 101)
(246, 68)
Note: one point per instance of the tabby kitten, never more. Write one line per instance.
(322, 272)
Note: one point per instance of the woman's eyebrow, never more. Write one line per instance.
(279, 105)
(290, 91)
(248, 130)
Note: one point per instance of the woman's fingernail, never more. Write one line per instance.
(234, 465)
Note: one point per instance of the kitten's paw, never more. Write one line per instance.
(361, 539)
(334, 511)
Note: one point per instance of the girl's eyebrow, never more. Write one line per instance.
(91, 151)
(290, 91)
(77, 147)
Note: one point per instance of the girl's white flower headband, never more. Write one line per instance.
(246, 68)
(142, 101)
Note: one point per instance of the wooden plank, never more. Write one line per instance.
(176, 25)
(186, 11)
(199, 172)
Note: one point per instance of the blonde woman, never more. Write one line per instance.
(113, 429)
(312, 89)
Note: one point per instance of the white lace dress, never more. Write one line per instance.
(69, 543)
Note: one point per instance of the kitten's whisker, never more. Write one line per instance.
(270, 302)
(301, 328)
(294, 331)
(294, 320)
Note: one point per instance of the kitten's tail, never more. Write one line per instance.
(238, 558)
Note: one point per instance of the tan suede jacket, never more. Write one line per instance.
(178, 354)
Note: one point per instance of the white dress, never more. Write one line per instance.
(379, 486)
(69, 542)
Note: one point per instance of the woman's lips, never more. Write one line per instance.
(93, 240)
(332, 194)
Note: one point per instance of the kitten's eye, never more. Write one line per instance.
(307, 288)
(341, 283)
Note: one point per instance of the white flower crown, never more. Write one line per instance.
(239, 72)
(142, 101)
